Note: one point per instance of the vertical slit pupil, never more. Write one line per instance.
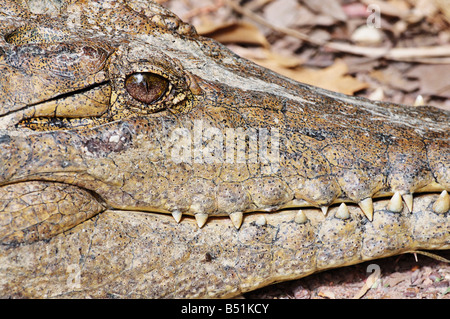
(146, 87)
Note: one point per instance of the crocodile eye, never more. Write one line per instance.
(146, 87)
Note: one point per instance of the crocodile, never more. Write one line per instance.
(140, 159)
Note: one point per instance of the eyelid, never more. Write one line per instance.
(146, 66)
(138, 57)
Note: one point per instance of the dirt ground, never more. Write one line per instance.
(397, 50)
(400, 277)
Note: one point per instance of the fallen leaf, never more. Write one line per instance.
(394, 279)
(444, 6)
(328, 7)
(393, 77)
(427, 8)
(261, 54)
(333, 78)
(289, 14)
(355, 10)
(283, 13)
(377, 95)
(390, 8)
(411, 292)
(434, 79)
(326, 294)
(288, 62)
(367, 35)
(234, 32)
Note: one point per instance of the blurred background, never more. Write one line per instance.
(393, 50)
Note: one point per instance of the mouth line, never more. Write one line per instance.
(294, 204)
(65, 95)
(339, 209)
(300, 214)
(90, 102)
(58, 97)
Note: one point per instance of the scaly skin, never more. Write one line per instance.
(91, 168)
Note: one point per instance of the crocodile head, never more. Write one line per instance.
(110, 105)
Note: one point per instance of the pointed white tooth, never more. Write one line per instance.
(342, 212)
(300, 217)
(395, 204)
(408, 199)
(236, 219)
(324, 210)
(442, 204)
(201, 219)
(261, 220)
(177, 215)
(366, 206)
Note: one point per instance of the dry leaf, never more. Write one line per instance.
(328, 7)
(235, 32)
(393, 77)
(283, 13)
(395, 278)
(326, 294)
(377, 95)
(355, 10)
(333, 78)
(389, 8)
(434, 79)
(367, 35)
(444, 6)
(288, 62)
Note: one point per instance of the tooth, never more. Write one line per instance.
(395, 204)
(342, 212)
(442, 204)
(201, 219)
(408, 199)
(366, 206)
(324, 210)
(261, 220)
(300, 217)
(177, 215)
(236, 219)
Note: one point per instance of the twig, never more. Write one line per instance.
(435, 54)
(428, 254)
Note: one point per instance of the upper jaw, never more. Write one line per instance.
(42, 72)
(92, 101)
(290, 104)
